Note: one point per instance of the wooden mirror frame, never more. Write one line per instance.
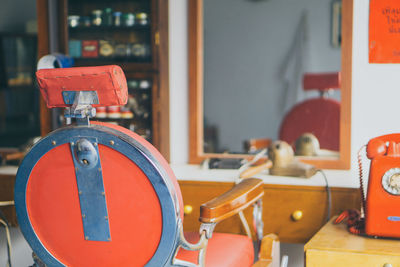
(196, 75)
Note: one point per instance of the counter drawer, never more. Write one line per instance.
(280, 203)
(296, 213)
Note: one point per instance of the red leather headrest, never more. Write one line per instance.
(108, 82)
(321, 81)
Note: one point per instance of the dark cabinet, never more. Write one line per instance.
(130, 33)
(19, 116)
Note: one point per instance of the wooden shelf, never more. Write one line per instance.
(125, 65)
(101, 29)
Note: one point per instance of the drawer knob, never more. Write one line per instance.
(297, 215)
(187, 209)
(387, 265)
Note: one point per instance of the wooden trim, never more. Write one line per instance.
(196, 154)
(43, 49)
(230, 203)
(163, 89)
(345, 107)
(195, 19)
(270, 186)
(62, 26)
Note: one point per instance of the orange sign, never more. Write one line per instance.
(384, 31)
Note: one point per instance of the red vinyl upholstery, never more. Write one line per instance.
(109, 82)
(319, 116)
(53, 185)
(224, 250)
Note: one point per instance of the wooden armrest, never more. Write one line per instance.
(15, 156)
(238, 198)
(257, 143)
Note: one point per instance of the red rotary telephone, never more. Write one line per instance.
(382, 205)
(383, 197)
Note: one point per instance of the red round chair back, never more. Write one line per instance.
(133, 189)
(319, 116)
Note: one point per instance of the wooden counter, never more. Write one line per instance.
(281, 207)
(333, 245)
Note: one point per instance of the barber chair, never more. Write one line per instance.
(97, 194)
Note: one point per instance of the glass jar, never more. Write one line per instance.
(140, 50)
(133, 84)
(120, 50)
(117, 18)
(144, 84)
(85, 21)
(142, 18)
(73, 21)
(96, 17)
(128, 19)
(108, 17)
(106, 49)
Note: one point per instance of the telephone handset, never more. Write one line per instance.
(382, 205)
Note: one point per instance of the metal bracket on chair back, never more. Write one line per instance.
(257, 220)
(81, 108)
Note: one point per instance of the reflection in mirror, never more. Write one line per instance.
(267, 70)
(256, 54)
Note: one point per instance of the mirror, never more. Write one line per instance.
(230, 27)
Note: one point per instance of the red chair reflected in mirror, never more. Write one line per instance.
(319, 116)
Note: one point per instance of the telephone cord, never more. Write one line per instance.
(360, 172)
(328, 194)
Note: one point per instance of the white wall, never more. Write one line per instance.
(375, 90)
(178, 78)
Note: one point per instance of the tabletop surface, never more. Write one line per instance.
(336, 238)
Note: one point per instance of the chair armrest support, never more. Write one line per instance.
(230, 203)
(269, 252)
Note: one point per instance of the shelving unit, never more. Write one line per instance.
(93, 34)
